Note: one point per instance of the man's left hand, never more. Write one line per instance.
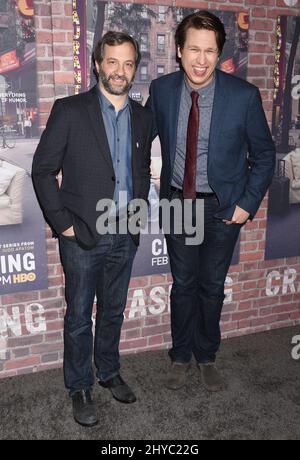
(240, 216)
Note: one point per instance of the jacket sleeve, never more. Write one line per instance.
(262, 155)
(145, 173)
(47, 163)
(151, 106)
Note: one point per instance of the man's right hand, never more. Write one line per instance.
(69, 232)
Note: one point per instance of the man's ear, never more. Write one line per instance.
(178, 52)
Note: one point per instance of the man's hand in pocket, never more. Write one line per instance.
(69, 232)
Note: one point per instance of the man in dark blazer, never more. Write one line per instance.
(216, 146)
(100, 141)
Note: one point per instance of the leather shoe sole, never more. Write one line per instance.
(85, 424)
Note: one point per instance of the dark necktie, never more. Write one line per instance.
(189, 180)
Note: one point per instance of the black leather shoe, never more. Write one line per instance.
(84, 411)
(119, 389)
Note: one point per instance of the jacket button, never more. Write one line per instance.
(113, 179)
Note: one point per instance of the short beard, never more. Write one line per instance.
(117, 92)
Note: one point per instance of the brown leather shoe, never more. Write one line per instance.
(211, 378)
(176, 377)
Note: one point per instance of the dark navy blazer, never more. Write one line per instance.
(241, 152)
(75, 142)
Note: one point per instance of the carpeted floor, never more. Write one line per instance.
(262, 400)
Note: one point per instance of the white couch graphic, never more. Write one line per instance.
(11, 193)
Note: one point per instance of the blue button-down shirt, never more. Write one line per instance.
(118, 132)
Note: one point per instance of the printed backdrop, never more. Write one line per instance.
(23, 263)
(283, 222)
(154, 27)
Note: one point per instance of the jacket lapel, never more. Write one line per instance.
(136, 127)
(97, 124)
(218, 114)
(174, 99)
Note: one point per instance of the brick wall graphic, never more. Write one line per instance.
(153, 26)
(260, 294)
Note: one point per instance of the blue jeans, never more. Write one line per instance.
(197, 296)
(103, 271)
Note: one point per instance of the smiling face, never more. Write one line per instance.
(199, 56)
(117, 69)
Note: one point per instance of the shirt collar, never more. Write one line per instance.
(107, 105)
(206, 90)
